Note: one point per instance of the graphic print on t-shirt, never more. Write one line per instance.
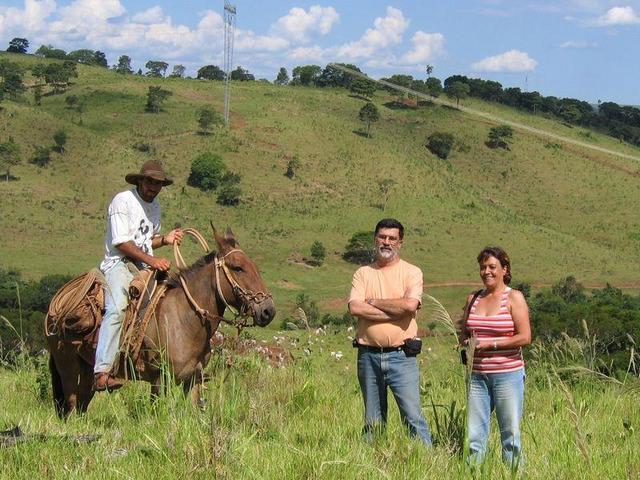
(143, 230)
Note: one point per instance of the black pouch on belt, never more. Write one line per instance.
(412, 347)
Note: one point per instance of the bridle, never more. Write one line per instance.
(249, 299)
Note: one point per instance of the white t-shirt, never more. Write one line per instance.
(129, 218)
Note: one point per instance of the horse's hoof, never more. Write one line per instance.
(104, 382)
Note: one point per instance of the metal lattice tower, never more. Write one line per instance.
(229, 32)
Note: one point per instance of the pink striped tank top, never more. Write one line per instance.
(491, 328)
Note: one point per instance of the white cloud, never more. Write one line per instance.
(426, 46)
(618, 16)
(84, 12)
(387, 31)
(152, 15)
(578, 44)
(249, 41)
(31, 18)
(298, 24)
(309, 54)
(511, 61)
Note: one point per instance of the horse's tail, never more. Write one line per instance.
(56, 383)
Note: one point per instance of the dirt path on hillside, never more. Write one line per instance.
(491, 117)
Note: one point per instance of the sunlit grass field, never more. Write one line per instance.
(303, 420)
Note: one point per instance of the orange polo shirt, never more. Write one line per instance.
(400, 280)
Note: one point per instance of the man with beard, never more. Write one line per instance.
(385, 297)
(133, 232)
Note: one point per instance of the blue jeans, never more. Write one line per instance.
(376, 372)
(116, 299)
(504, 393)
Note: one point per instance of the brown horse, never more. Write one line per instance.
(179, 335)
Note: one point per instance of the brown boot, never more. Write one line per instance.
(103, 381)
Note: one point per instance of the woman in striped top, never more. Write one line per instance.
(497, 322)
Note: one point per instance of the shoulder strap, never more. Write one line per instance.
(468, 309)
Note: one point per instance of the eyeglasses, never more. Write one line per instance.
(388, 238)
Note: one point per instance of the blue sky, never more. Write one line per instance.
(586, 49)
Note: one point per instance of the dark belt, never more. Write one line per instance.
(369, 348)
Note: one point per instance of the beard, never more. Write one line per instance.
(385, 253)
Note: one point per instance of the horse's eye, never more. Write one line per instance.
(237, 269)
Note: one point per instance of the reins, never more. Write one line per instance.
(248, 298)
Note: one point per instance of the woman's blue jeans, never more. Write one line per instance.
(376, 372)
(116, 299)
(504, 393)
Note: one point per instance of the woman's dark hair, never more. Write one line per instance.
(502, 257)
(389, 223)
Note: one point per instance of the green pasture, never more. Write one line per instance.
(557, 209)
(303, 420)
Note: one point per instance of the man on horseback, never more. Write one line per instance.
(133, 232)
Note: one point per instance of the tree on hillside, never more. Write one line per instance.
(156, 68)
(292, 166)
(283, 77)
(369, 114)
(58, 75)
(37, 94)
(9, 156)
(84, 56)
(210, 72)
(11, 74)
(124, 65)
(318, 253)
(440, 144)
(333, 76)
(305, 75)
(207, 171)
(41, 156)
(385, 185)
(241, 74)
(499, 137)
(60, 137)
(155, 98)
(178, 71)
(49, 51)
(100, 59)
(457, 90)
(38, 71)
(359, 249)
(433, 86)
(207, 117)
(18, 45)
(363, 88)
(429, 69)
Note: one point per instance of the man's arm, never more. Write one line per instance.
(131, 250)
(366, 311)
(174, 236)
(396, 308)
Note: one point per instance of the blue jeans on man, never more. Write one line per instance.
(116, 299)
(504, 393)
(379, 370)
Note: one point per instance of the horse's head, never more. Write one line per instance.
(240, 282)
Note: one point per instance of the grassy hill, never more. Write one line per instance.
(557, 209)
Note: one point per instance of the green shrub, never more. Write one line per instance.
(318, 253)
(229, 195)
(440, 144)
(41, 156)
(359, 249)
(207, 171)
(499, 137)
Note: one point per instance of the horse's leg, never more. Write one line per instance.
(193, 387)
(85, 386)
(56, 383)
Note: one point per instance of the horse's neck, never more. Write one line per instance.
(202, 288)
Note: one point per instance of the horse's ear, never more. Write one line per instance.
(217, 237)
(230, 237)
